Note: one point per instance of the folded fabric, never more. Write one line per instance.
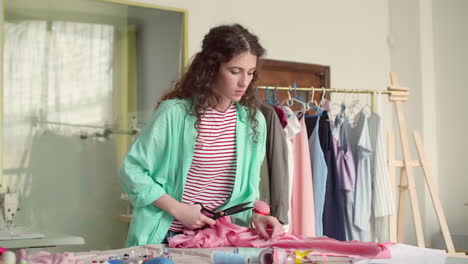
(227, 234)
(46, 258)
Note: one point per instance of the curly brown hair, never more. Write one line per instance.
(220, 45)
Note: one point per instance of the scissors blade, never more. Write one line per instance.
(237, 209)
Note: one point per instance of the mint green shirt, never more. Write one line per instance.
(159, 160)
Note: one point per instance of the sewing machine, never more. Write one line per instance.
(9, 205)
(14, 237)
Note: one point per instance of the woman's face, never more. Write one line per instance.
(233, 78)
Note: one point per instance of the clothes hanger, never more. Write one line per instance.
(335, 107)
(289, 101)
(275, 96)
(313, 104)
(296, 100)
(357, 108)
(361, 108)
(312, 101)
(293, 100)
(267, 96)
(367, 106)
(353, 104)
(304, 105)
(322, 100)
(325, 104)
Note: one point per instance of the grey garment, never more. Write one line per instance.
(277, 160)
(264, 187)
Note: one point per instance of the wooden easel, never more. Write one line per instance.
(398, 95)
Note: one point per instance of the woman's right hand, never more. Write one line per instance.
(191, 217)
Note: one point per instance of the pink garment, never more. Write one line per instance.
(227, 234)
(302, 201)
(46, 258)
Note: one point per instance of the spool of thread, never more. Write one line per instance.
(137, 261)
(116, 261)
(159, 260)
(9, 257)
(252, 253)
(266, 256)
(220, 257)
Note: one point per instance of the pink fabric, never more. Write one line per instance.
(46, 258)
(227, 234)
(302, 201)
(2, 250)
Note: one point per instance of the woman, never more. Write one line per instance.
(204, 144)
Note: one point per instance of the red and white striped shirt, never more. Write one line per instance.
(212, 173)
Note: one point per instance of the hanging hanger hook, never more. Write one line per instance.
(275, 95)
(311, 101)
(289, 102)
(295, 92)
(323, 95)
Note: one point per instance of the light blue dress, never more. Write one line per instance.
(319, 177)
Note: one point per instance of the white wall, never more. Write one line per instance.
(405, 59)
(451, 57)
(350, 37)
(427, 47)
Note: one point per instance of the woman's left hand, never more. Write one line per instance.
(265, 223)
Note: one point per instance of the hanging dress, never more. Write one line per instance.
(361, 212)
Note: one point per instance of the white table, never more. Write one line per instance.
(49, 240)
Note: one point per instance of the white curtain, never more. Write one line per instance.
(61, 74)
(24, 86)
(80, 73)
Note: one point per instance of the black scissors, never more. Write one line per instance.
(230, 211)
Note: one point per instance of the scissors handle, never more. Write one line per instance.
(230, 211)
(207, 212)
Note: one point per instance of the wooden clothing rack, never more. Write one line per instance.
(398, 95)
